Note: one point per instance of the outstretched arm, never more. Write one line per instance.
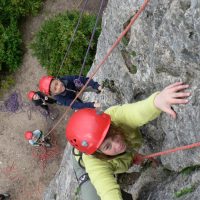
(137, 114)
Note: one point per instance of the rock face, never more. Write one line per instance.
(64, 184)
(162, 47)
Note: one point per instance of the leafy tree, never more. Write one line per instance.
(50, 43)
(11, 12)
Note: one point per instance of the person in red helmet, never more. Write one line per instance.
(36, 138)
(64, 90)
(104, 144)
(39, 99)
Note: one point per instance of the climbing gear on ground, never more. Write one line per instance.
(46, 144)
(12, 104)
(44, 84)
(30, 95)
(87, 139)
(28, 135)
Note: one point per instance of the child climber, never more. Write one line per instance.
(105, 143)
(39, 99)
(36, 138)
(64, 90)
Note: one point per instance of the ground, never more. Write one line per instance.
(22, 174)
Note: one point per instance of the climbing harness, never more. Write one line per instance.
(72, 38)
(77, 81)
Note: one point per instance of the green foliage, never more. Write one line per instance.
(50, 43)
(11, 11)
(184, 191)
(125, 41)
(10, 51)
(190, 169)
(133, 53)
(17, 9)
(6, 83)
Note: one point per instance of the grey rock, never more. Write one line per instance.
(163, 46)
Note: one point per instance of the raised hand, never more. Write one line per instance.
(171, 95)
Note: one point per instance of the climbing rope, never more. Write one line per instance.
(14, 104)
(134, 18)
(44, 154)
(169, 151)
(78, 4)
(73, 36)
(77, 82)
(11, 104)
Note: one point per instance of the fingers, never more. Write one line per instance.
(174, 84)
(171, 112)
(178, 101)
(179, 87)
(182, 94)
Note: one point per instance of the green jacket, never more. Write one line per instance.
(129, 117)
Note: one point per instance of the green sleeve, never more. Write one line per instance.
(122, 163)
(101, 175)
(135, 114)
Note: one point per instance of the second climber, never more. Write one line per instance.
(64, 90)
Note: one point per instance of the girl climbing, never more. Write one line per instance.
(64, 90)
(105, 143)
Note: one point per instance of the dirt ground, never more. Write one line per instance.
(22, 174)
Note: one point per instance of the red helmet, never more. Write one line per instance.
(44, 84)
(30, 95)
(28, 135)
(86, 129)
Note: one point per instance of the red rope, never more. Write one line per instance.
(139, 158)
(161, 153)
(44, 154)
(103, 60)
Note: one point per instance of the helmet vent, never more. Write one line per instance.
(84, 143)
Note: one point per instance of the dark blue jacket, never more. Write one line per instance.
(66, 97)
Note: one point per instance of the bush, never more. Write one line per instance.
(10, 47)
(6, 82)
(49, 44)
(17, 9)
(11, 11)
